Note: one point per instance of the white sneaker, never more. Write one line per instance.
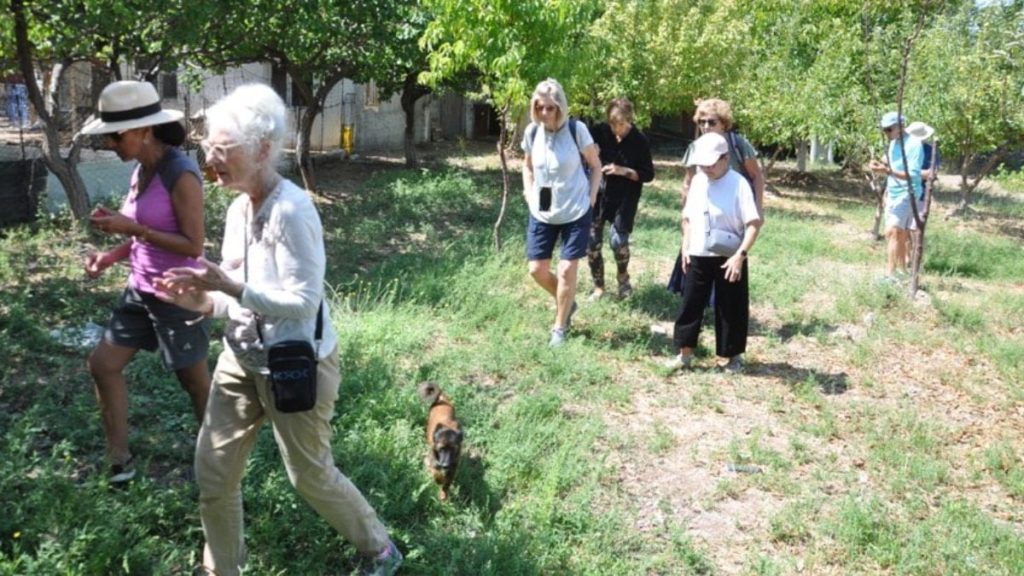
(557, 337)
(679, 362)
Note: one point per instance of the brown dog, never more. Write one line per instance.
(444, 437)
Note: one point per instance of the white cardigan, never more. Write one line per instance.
(284, 283)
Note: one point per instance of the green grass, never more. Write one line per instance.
(864, 477)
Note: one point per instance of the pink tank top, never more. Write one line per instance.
(153, 209)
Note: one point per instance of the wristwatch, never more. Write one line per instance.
(743, 253)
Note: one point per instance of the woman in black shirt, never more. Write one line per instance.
(626, 164)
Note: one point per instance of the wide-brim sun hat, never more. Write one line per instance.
(129, 104)
(920, 130)
(708, 149)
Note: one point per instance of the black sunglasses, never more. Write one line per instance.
(708, 122)
(115, 136)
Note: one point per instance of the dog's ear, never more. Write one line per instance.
(429, 392)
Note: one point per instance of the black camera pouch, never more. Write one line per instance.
(292, 366)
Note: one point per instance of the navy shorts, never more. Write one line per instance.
(541, 238)
(143, 321)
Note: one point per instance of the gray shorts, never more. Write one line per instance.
(898, 213)
(143, 321)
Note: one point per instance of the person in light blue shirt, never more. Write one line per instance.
(898, 212)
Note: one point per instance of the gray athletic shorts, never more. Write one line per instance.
(143, 321)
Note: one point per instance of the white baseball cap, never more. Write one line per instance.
(708, 149)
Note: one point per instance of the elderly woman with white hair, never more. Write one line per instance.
(560, 195)
(270, 285)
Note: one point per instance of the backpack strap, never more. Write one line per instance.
(572, 131)
(531, 134)
(734, 147)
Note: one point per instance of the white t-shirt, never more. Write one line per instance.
(728, 203)
(557, 164)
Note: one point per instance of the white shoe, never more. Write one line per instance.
(679, 362)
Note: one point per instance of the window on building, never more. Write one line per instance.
(371, 99)
(168, 83)
(279, 81)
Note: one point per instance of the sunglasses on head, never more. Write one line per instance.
(712, 122)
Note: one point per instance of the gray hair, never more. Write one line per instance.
(551, 89)
(252, 113)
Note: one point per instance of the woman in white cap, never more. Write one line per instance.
(714, 116)
(270, 286)
(161, 223)
(720, 225)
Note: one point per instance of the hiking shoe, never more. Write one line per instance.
(625, 289)
(733, 366)
(557, 337)
(122, 473)
(679, 362)
(386, 563)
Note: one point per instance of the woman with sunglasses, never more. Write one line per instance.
(714, 115)
(162, 221)
(560, 196)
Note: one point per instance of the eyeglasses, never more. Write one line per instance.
(216, 151)
(709, 122)
(545, 109)
(116, 137)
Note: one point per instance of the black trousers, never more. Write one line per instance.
(732, 307)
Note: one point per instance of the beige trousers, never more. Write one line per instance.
(240, 400)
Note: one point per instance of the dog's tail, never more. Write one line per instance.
(429, 392)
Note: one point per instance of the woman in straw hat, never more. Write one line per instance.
(161, 222)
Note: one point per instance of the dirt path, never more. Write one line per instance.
(727, 460)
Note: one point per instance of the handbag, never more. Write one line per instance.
(718, 241)
(722, 242)
(291, 363)
(292, 366)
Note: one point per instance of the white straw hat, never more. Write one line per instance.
(129, 104)
(708, 149)
(920, 130)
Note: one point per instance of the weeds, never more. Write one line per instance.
(861, 477)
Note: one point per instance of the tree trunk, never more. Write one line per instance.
(878, 191)
(969, 185)
(412, 91)
(314, 104)
(65, 169)
(801, 156)
(302, 157)
(502, 136)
